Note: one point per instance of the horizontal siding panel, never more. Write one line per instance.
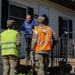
(55, 13)
(54, 20)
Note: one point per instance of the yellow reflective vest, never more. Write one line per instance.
(8, 42)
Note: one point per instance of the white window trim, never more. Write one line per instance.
(17, 18)
(10, 3)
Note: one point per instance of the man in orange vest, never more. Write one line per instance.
(44, 38)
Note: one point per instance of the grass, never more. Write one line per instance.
(30, 73)
(25, 74)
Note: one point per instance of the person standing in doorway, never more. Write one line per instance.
(9, 41)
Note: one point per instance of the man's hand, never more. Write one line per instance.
(32, 59)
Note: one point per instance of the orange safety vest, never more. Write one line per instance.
(44, 39)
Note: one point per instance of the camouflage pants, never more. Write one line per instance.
(9, 64)
(41, 63)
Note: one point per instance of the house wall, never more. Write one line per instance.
(55, 11)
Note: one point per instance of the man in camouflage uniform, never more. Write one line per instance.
(9, 58)
(42, 58)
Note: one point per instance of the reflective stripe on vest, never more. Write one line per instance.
(44, 42)
(8, 48)
(7, 43)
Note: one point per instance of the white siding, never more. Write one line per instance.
(25, 3)
(55, 11)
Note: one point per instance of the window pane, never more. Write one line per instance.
(60, 26)
(18, 23)
(70, 29)
(17, 11)
(65, 25)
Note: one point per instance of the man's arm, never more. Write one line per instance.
(18, 41)
(32, 47)
(33, 40)
(34, 37)
(55, 39)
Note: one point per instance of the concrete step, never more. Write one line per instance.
(24, 62)
(71, 61)
(73, 66)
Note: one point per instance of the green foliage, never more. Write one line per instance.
(30, 73)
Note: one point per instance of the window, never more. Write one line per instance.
(65, 25)
(16, 12)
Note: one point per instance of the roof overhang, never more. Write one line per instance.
(65, 3)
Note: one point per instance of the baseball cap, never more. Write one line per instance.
(41, 19)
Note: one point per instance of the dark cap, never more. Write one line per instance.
(41, 19)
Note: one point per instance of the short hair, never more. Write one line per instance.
(46, 22)
(41, 19)
(10, 24)
(28, 15)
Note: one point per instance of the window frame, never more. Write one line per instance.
(68, 25)
(18, 18)
(21, 6)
